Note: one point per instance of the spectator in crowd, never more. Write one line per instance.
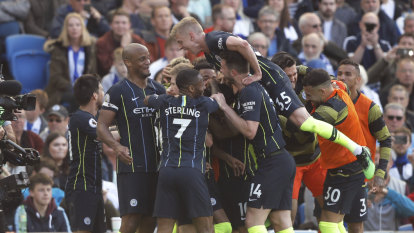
(161, 21)
(179, 10)
(297, 8)
(398, 94)
(39, 19)
(201, 8)
(388, 205)
(24, 138)
(405, 23)
(394, 116)
(56, 147)
(344, 12)
(117, 72)
(333, 29)
(260, 42)
(404, 76)
(172, 50)
(286, 24)
(72, 54)
(35, 121)
(387, 30)
(268, 23)
(120, 35)
(48, 167)
(366, 47)
(57, 121)
(401, 141)
(392, 8)
(40, 210)
(132, 7)
(14, 10)
(96, 23)
(243, 26)
(383, 71)
(310, 22)
(312, 45)
(224, 18)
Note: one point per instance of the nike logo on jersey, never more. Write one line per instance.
(330, 203)
(252, 199)
(362, 214)
(287, 107)
(133, 99)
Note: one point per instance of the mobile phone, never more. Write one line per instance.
(400, 139)
(404, 52)
(87, 8)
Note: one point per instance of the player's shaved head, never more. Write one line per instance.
(186, 78)
(132, 51)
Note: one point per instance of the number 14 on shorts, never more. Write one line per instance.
(255, 190)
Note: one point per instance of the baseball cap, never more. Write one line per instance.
(58, 110)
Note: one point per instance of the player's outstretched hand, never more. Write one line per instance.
(122, 153)
(237, 166)
(251, 78)
(219, 97)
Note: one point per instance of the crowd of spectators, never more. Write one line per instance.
(87, 36)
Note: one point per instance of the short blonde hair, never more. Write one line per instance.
(64, 36)
(177, 61)
(185, 25)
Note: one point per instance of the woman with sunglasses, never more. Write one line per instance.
(72, 55)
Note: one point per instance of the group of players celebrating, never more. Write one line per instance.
(262, 125)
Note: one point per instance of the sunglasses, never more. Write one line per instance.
(56, 120)
(391, 118)
(316, 25)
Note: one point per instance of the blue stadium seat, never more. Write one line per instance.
(18, 43)
(7, 29)
(406, 227)
(30, 68)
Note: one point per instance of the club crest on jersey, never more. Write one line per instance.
(133, 202)
(92, 123)
(213, 201)
(87, 221)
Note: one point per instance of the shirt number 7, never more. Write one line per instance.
(184, 123)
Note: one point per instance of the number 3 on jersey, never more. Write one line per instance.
(184, 124)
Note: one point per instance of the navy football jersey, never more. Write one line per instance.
(85, 154)
(274, 79)
(135, 123)
(184, 123)
(254, 104)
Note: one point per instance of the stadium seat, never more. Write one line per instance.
(7, 29)
(30, 68)
(18, 43)
(406, 227)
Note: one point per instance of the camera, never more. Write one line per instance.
(370, 26)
